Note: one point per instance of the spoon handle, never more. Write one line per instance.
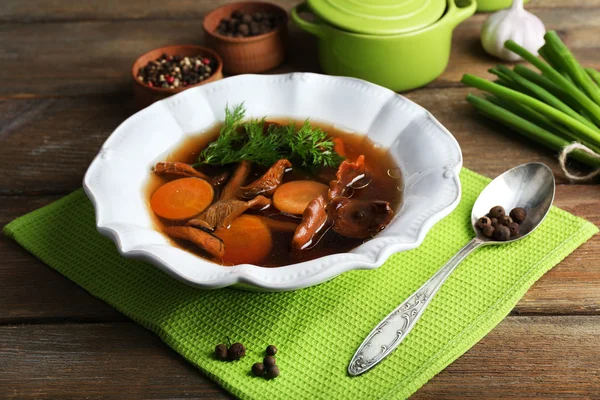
(390, 332)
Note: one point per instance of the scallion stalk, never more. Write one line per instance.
(544, 82)
(556, 76)
(545, 96)
(595, 75)
(528, 129)
(578, 129)
(571, 66)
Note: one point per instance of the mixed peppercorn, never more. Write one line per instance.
(177, 71)
(500, 226)
(242, 24)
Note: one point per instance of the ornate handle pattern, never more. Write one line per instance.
(396, 326)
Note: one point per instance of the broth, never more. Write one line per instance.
(384, 185)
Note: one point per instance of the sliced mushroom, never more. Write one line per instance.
(266, 184)
(223, 212)
(237, 180)
(178, 169)
(314, 219)
(207, 242)
(349, 175)
(220, 179)
(359, 218)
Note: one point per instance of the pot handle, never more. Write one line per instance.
(316, 28)
(460, 10)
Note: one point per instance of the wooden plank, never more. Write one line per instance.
(32, 292)
(73, 58)
(524, 357)
(110, 361)
(95, 10)
(47, 144)
(82, 58)
(532, 357)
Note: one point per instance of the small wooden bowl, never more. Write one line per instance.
(252, 54)
(146, 95)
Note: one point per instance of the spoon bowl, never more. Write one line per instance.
(530, 186)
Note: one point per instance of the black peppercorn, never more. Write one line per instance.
(221, 352)
(505, 220)
(502, 233)
(269, 361)
(497, 212)
(258, 369)
(494, 221)
(244, 29)
(271, 350)
(273, 372)
(518, 214)
(241, 24)
(488, 231)
(247, 18)
(236, 351)
(483, 222)
(514, 228)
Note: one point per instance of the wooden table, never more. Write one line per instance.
(65, 86)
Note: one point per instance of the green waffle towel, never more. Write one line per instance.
(318, 329)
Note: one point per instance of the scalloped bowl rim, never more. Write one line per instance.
(304, 274)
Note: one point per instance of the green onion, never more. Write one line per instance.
(528, 129)
(556, 107)
(579, 129)
(595, 75)
(545, 96)
(558, 78)
(571, 66)
(544, 82)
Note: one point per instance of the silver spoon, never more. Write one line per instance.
(530, 186)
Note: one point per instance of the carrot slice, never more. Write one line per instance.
(293, 197)
(182, 198)
(247, 240)
(281, 226)
(338, 146)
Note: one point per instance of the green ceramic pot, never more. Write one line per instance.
(494, 5)
(399, 62)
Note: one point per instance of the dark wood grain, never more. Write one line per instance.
(88, 57)
(47, 144)
(524, 357)
(114, 10)
(109, 361)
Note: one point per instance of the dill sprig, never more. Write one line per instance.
(248, 140)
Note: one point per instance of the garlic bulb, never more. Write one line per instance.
(512, 23)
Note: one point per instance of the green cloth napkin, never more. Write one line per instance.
(316, 330)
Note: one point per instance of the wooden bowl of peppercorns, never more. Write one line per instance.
(249, 36)
(167, 70)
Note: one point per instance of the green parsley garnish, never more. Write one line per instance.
(250, 140)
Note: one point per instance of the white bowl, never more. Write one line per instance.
(428, 155)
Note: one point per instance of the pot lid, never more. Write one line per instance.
(380, 17)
